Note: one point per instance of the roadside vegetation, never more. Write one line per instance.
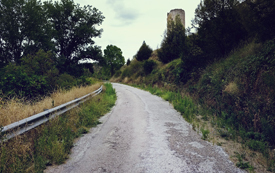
(48, 57)
(15, 109)
(51, 143)
(220, 78)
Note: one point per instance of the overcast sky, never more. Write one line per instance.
(128, 23)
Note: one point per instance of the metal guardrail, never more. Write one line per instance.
(29, 123)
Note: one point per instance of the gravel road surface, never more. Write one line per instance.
(143, 133)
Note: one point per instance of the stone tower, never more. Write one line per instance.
(173, 13)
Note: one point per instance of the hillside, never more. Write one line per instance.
(234, 98)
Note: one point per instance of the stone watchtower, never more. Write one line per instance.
(173, 13)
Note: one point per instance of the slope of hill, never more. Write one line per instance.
(234, 96)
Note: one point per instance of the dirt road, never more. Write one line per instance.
(143, 133)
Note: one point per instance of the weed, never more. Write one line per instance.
(168, 96)
(258, 146)
(205, 133)
(50, 143)
(271, 166)
(219, 143)
(241, 164)
(223, 133)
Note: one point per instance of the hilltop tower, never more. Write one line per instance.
(173, 13)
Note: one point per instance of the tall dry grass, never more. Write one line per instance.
(17, 109)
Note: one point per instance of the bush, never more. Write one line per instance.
(144, 52)
(126, 73)
(66, 81)
(135, 67)
(17, 82)
(148, 66)
(34, 77)
(117, 73)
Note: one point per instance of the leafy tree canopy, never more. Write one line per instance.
(113, 58)
(219, 26)
(62, 27)
(258, 18)
(73, 28)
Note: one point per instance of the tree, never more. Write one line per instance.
(219, 27)
(128, 62)
(23, 29)
(258, 18)
(174, 44)
(113, 58)
(144, 52)
(73, 29)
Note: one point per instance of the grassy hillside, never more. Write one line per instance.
(234, 95)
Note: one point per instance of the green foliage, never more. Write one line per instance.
(128, 62)
(168, 96)
(66, 81)
(183, 104)
(73, 28)
(144, 52)
(237, 91)
(174, 43)
(262, 12)
(135, 67)
(24, 29)
(148, 66)
(219, 27)
(205, 133)
(118, 73)
(241, 164)
(258, 146)
(271, 166)
(35, 76)
(113, 58)
(186, 106)
(62, 27)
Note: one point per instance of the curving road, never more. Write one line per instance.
(143, 133)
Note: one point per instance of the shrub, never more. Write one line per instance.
(144, 52)
(17, 82)
(118, 73)
(148, 66)
(34, 77)
(66, 81)
(135, 67)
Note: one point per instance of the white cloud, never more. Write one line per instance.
(124, 14)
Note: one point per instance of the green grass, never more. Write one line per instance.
(205, 133)
(241, 163)
(51, 143)
(185, 105)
